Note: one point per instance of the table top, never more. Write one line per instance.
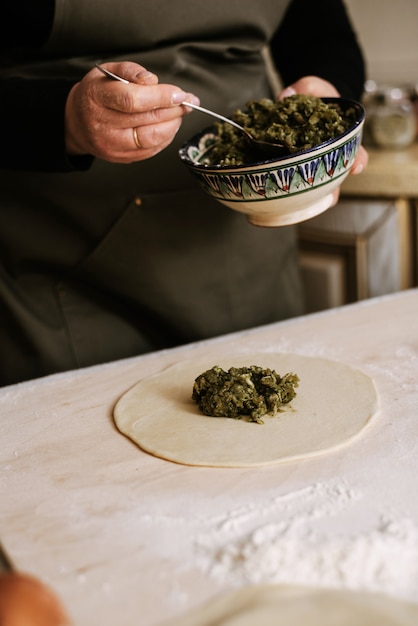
(389, 173)
(126, 538)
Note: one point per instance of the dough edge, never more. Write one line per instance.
(280, 603)
(130, 419)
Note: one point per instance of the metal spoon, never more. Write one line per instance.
(266, 146)
(262, 145)
(111, 74)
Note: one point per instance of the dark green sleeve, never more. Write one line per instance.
(318, 38)
(32, 126)
(26, 23)
(32, 112)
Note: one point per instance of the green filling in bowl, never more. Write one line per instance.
(299, 122)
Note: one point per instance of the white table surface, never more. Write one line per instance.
(126, 538)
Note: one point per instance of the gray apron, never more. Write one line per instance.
(125, 259)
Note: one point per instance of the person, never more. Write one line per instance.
(109, 248)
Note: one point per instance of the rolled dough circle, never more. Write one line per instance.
(333, 405)
(282, 605)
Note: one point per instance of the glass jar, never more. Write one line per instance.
(392, 119)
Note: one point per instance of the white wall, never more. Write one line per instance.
(388, 32)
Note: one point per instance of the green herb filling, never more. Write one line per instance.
(243, 391)
(299, 122)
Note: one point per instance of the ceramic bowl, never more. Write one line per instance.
(283, 190)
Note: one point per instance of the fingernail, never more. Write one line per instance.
(289, 91)
(357, 169)
(178, 97)
(193, 99)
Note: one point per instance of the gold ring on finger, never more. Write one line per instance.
(136, 140)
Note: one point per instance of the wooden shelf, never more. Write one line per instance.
(389, 174)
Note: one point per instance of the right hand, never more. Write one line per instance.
(101, 114)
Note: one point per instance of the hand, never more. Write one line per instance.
(312, 86)
(316, 86)
(101, 114)
(26, 601)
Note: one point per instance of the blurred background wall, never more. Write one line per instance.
(367, 245)
(388, 31)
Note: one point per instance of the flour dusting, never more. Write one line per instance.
(267, 545)
(324, 534)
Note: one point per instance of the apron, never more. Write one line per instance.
(121, 260)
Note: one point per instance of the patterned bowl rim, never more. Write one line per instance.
(345, 103)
